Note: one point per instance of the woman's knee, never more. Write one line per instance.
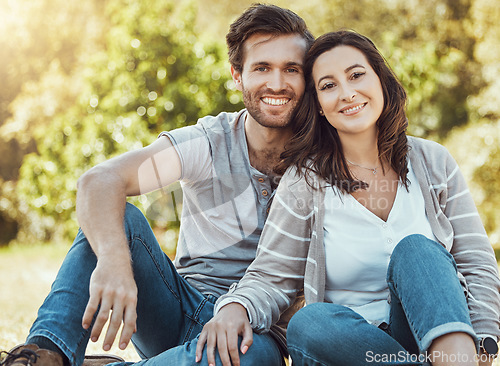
(322, 321)
(417, 243)
(411, 249)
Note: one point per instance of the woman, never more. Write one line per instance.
(378, 228)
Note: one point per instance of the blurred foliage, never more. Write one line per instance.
(82, 82)
(149, 73)
(476, 148)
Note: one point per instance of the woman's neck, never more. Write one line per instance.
(361, 149)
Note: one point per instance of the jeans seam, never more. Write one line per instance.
(393, 289)
(83, 335)
(143, 242)
(410, 321)
(194, 320)
(306, 354)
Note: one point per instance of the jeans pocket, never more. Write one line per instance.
(204, 312)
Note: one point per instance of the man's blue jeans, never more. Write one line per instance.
(171, 313)
(427, 301)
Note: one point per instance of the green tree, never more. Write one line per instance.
(39, 40)
(82, 82)
(476, 145)
(430, 45)
(152, 74)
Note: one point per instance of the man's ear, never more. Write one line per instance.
(236, 78)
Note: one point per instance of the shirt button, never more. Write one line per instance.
(384, 226)
(267, 211)
(389, 241)
(264, 192)
(261, 180)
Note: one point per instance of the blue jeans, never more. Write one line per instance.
(171, 313)
(427, 301)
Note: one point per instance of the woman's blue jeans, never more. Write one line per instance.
(426, 301)
(171, 313)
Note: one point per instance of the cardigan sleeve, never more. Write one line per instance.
(275, 278)
(472, 252)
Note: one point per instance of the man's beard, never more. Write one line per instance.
(252, 104)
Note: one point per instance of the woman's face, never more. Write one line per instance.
(349, 91)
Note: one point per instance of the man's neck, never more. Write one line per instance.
(265, 145)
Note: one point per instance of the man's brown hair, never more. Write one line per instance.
(262, 18)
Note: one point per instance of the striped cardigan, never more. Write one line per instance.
(291, 256)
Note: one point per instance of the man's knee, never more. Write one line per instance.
(134, 219)
(133, 213)
(263, 351)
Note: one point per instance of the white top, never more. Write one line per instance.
(359, 244)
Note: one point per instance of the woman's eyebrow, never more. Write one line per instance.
(353, 67)
(345, 71)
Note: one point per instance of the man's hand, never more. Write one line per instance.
(113, 288)
(222, 333)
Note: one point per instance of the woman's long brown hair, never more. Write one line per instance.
(316, 147)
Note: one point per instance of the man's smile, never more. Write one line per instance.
(275, 101)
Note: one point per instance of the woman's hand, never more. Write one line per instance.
(222, 332)
(485, 360)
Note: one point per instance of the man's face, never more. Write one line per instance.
(272, 80)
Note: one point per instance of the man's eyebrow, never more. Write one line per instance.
(265, 63)
(294, 63)
(260, 63)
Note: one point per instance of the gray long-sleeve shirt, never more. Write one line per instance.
(291, 256)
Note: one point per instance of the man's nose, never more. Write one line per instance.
(276, 81)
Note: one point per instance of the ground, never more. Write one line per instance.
(26, 273)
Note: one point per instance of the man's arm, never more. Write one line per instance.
(100, 208)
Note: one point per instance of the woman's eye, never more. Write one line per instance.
(327, 86)
(357, 75)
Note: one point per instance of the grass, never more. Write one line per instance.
(26, 273)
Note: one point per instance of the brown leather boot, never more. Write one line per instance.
(31, 355)
(101, 360)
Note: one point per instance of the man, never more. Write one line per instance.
(225, 166)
